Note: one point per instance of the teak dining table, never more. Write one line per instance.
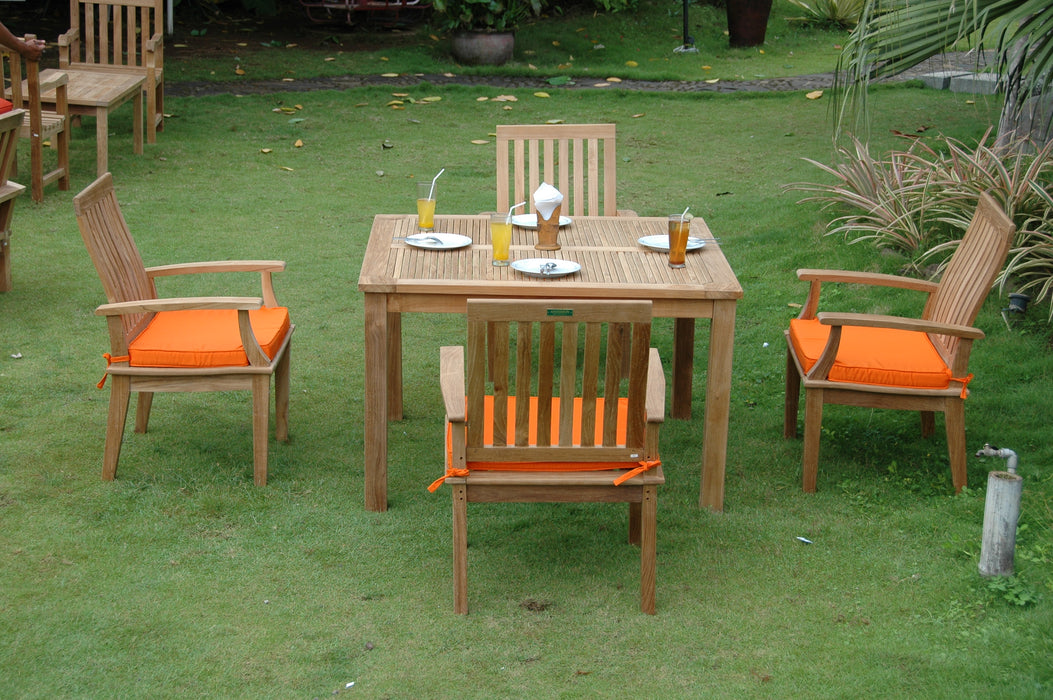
(398, 278)
(96, 94)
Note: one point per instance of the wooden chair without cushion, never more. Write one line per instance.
(577, 159)
(39, 124)
(911, 364)
(544, 432)
(125, 36)
(182, 344)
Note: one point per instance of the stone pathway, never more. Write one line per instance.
(956, 62)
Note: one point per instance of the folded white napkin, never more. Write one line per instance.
(546, 199)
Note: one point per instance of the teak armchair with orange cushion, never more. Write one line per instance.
(577, 159)
(182, 344)
(544, 432)
(877, 361)
(39, 124)
(124, 36)
(10, 122)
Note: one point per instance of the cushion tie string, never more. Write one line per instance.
(110, 359)
(965, 383)
(449, 472)
(644, 466)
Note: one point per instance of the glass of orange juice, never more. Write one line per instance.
(426, 206)
(501, 237)
(679, 228)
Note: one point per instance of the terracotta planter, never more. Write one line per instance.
(483, 48)
(747, 21)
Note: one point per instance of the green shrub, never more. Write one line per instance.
(844, 13)
(919, 202)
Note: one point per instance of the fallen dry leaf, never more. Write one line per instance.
(433, 98)
(400, 94)
(298, 144)
(480, 142)
(554, 121)
(711, 81)
(814, 94)
(632, 64)
(482, 99)
(613, 79)
(389, 75)
(265, 150)
(239, 71)
(392, 103)
(637, 116)
(329, 58)
(602, 85)
(285, 168)
(541, 94)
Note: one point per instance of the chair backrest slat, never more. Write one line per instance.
(113, 250)
(972, 270)
(577, 159)
(115, 32)
(573, 354)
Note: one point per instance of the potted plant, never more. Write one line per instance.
(483, 30)
(747, 21)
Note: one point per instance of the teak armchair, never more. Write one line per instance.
(577, 159)
(126, 36)
(9, 191)
(541, 432)
(39, 124)
(182, 344)
(877, 361)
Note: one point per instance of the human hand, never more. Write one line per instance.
(32, 48)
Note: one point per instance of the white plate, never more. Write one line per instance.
(545, 267)
(449, 241)
(530, 220)
(661, 242)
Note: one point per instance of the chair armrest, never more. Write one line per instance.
(68, 37)
(216, 266)
(451, 382)
(53, 82)
(899, 322)
(153, 43)
(179, 304)
(817, 277)
(654, 405)
(264, 267)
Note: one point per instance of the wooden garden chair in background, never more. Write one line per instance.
(182, 344)
(125, 36)
(10, 123)
(545, 432)
(39, 124)
(876, 361)
(577, 159)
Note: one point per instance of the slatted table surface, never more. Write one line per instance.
(398, 278)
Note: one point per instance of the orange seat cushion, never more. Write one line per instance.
(488, 437)
(5, 106)
(206, 338)
(881, 356)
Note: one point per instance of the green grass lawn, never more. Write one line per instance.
(181, 578)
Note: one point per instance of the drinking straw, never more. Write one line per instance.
(431, 192)
(681, 216)
(509, 217)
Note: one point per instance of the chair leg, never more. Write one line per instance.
(261, 418)
(793, 398)
(648, 548)
(928, 424)
(62, 147)
(143, 401)
(634, 523)
(954, 417)
(5, 261)
(813, 423)
(460, 549)
(281, 396)
(120, 393)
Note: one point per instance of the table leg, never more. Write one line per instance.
(376, 402)
(718, 405)
(394, 366)
(137, 122)
(683, 366)
(102, 141)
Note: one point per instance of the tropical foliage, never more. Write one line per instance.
(919, 201)
(894, 35)
(484, 15)
(844, 13)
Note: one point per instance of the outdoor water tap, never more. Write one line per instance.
(1001, 514)
(990, 450)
